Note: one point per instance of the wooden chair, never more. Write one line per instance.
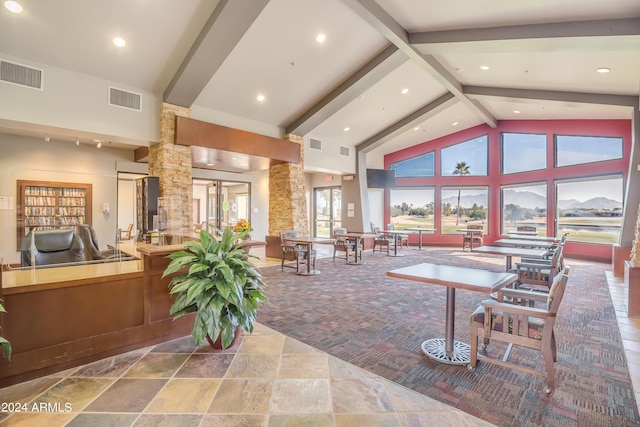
(520, 324)
(380, 240)
(125, 234)
(472, 238)
(342, 244)
(533, 272)
(292, 251)
(403, 239)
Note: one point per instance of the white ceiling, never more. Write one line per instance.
(545, 72)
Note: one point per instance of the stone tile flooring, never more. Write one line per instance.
(265, 379)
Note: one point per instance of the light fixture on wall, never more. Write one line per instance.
(99, 145)
(46, 139)
(77, 141)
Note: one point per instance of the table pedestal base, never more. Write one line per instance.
(435, 349)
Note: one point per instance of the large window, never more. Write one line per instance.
(523, 152)
(474, 153)
(524, 205)
(462, 206)
(590, 210)
(575, 150)
(423, 165)
(412, 207)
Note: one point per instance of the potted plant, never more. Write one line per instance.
(243, 226)
(4, 343)
(222, 286)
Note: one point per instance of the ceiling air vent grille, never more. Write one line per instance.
(315, 144)
(344, 151)
(124, 99)
(20, 75)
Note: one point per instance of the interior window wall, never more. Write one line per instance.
(412, 207)
(474, 153)
(590, 209)
(575, 150)
(524, 205)
(462, 206)
(523, 152)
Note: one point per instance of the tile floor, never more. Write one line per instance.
(266, 379)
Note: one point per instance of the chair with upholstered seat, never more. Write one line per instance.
(292, 251)
(380, 240)
(44, 247)
(403, 239)
(519, 323)
(342, 244)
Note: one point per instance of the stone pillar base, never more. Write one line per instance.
(632, 285)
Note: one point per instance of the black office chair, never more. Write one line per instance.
(91, 248)
(51, 247)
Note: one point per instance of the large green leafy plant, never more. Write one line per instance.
(222, 286)
(6, 345)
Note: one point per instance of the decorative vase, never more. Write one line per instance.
(217, 344)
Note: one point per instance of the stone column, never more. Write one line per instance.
(172, 164)
(287, 195)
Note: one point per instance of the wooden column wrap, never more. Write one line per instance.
(287, 195)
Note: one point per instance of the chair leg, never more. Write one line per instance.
(473, 350)
(547, 355)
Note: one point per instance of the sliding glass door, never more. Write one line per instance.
(221, 203)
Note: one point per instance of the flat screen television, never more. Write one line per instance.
(381, 178)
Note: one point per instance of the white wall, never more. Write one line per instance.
(26, 158)
(75, 101)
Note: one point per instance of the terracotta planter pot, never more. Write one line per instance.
(217, 344)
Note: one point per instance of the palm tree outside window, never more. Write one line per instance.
(461, 169)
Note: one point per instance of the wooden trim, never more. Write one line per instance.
(202, 134)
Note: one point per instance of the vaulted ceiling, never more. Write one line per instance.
(390, 73)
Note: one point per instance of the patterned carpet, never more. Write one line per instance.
(356, 313)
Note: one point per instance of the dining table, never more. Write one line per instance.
(356, 238)
(509, 252)
(420, 230)
(524, 243)
(396, 236)
(552, 239)
(309, 242)
(448, 350)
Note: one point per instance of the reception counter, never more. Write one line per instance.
(62, 317)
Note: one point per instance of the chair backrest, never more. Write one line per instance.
(475, 227)
(51, 247)
(338, 231)
(556, 291)
(375, 230)
(391, 227)
(90, 242)
(526, 228)
(288, 234)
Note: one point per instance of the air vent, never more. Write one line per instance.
(20, 75)
(315, 144)
(344, 151)
(124, 99)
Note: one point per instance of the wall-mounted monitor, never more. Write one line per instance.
(381, 178)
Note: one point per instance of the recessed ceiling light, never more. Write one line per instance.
(405, 91)
(99, 145)
(347, 129)
(416, 128)
(454, 124)
(119, 41)
(77, 141)
(261, 98)
(209, 164)
(320, 38)
(484, 67)
(516, 111)
(13, 6)
(46, 139)
(603, 70)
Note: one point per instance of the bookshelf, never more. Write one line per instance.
(46, 204)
